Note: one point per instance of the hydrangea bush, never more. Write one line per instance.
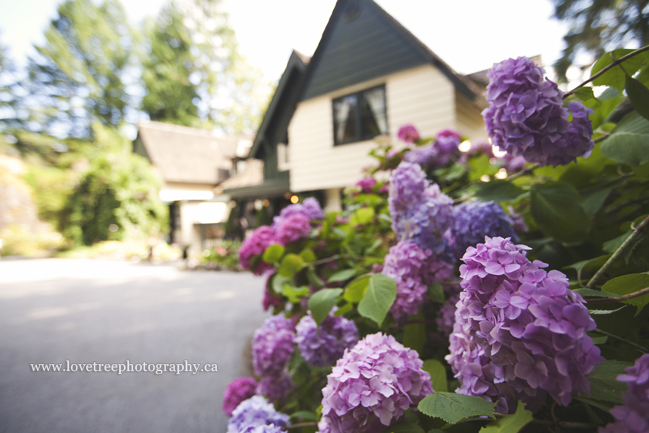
(463, 288)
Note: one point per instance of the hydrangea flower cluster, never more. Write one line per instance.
(372, 385)
(526, 115)
(366, 184)
(519, 331)
(323, 345)
(413, 269)
(256, 244)
(275, 388)
(238, 390)
(293, 227)
(438, 153)
(272, 346)
(445, 317)
(309, 207)
(272, 428)
(633, 417)
(473, 220)
(254, 412)
(408, 133)
(420, 211)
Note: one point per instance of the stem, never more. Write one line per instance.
(604, 70)
(300, 425)
(623, 340)
(566, 424)
(523, 171)
(620, 299)
(602, 137)
(618, 253)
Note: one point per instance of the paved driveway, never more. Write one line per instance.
(88, 311)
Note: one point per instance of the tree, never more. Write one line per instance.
(598, 26)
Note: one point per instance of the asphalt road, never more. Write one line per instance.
(85, 311)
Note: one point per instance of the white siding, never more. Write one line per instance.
(469, 118)
(422, 96)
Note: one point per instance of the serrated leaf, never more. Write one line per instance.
(510, 423)
(627, 284)
(273, 253)
(404, 426)
(584, 93)
(436, 293)
(379, 296)
(291, 265)
(321, 303)
(638, 95)
(615, 243)
(343, 275)
(604, 312)
(437, 373)
(498, 190)
(453, 407)
(629, 142)
(591, 293)
(604, 385)
(556, 209)
(615, 77)
(356, 289)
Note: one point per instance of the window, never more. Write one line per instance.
(360, 116)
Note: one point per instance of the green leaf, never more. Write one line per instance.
(404, 426)
(499, 190)
(453, 407)
(304, 415)
(638, 95)
(627, 284)
(436, 293)
(437, 373)
(343, 275)
(295, 294)
(291, 265)
(603, 383)
(314, 280)
(629, 142)
(346, 308)
(615, 243)
(616, 76)
(279, 282)
(364, 215)
(584, 93)
(557, 210)
(414, 334)
(321, 303)
(510, 423)
(356, 289)
(307, 255)
(593, 200)
(604, 312)
(379, 296)
(590, 293)
(273, 253)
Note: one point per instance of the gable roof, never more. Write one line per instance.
(187, 155)
(362, 41)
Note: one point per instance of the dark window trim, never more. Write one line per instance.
(358, 138)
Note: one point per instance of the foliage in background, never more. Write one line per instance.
(222, 257)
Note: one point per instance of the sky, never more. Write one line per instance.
(469, 35)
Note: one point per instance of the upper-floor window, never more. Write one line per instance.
(360, 116)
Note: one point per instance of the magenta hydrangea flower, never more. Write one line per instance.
(293, 227)
(310, 207)
(323, 345)
(366, 184)
(253, 412)
(238, 390)
(633, 417)
(272, 346)
(526, 116)
(275, 388)
(519, 332)
(408, 133)
(372, 385)
(420, 211)
(413, 269)
(255, 245)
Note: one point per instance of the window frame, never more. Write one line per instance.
(357, 114)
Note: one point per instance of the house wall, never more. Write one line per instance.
(469, 121)
(422, 96)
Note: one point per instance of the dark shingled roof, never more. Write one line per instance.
(188, 155)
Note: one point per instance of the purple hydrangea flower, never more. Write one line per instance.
(526, 116)
(256, 411)
(309, 207)
(408, 133)
(254, 245)
(519, 331)
(474, 220)
(275, 387)
(425, 156)
(372, 385)
(293, 227)
(270, 300)
(366, 184)
(322, 346)
(272, 346)
(445, 318)
(437, 154)
(266, 428)
(420, 211)
(312, 209)
(413, 269)
(238, 390)
(633, 417)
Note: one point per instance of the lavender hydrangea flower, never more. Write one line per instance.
(293, 227)
(272, 346)
(256, 411)
(413, 269)
(445, 318)
(309, 207)
(408, 133)
(633, 417)
(266, 428)
(526, 116)
(420, 211)
(254, 245)
(425, 156)
(323, 345)
(473, 220)
(238, 390)
(275, 388)
(372, 385)
(438, 153)
(519, 331)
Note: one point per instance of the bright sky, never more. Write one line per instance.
(469, 35)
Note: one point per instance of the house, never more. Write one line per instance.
(192, 163)
(368, 76)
